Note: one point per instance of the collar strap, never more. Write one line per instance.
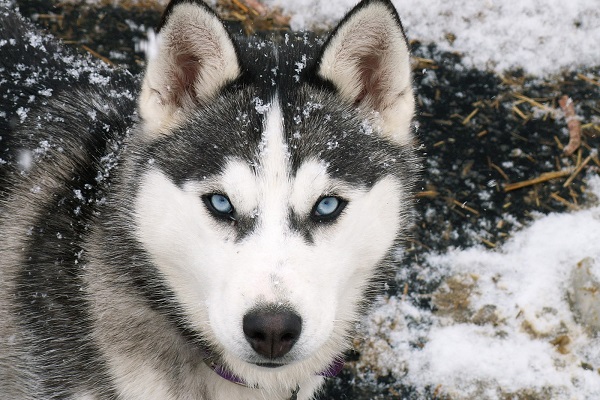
(333, 369)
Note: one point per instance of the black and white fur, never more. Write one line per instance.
(134, 250)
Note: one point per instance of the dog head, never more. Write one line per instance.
(275, 181)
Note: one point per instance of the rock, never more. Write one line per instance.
(453, 297)
(486, 315)
(584, 294)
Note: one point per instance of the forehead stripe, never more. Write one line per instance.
(274, 174)
(274, 154)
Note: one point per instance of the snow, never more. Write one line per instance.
(540, 36)
(506, 322)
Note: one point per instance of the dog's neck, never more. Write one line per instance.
(332, 370)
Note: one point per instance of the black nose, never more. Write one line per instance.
(272, 333)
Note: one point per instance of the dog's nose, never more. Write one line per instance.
(272, 333)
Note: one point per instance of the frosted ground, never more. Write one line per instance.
(541, 36)
(505, 323)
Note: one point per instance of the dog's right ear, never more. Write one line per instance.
(192, 58)
(366, 58)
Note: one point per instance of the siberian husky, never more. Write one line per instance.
(214, 234)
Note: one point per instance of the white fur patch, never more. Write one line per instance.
(310, 183)
(135, 379)
(218, 279)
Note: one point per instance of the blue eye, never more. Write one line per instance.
(328, 208)
(219, 205)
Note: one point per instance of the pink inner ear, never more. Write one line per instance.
(187, 68)
(369, 68)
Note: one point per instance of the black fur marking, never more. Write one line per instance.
(303, 225)
(51, 297)
(38, 68)
(169, 10)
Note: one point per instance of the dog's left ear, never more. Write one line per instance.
(192, 58)
(367, 59)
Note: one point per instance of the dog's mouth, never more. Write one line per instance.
(269, 364)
